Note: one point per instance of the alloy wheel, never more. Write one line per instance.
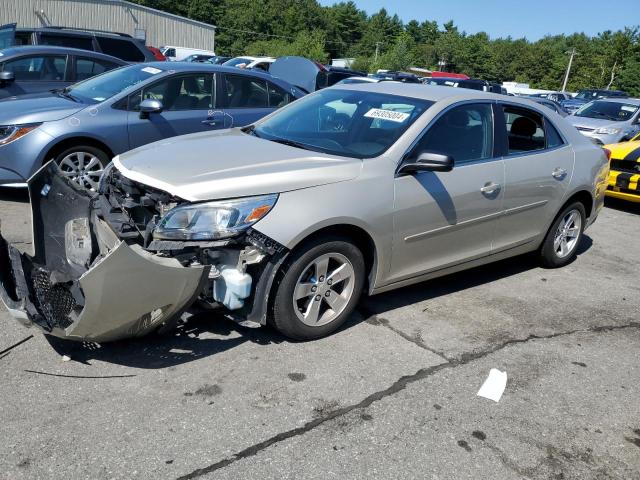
(324, 289)
(567, 234)
(82, 168)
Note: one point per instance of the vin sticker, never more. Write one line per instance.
(390, 115)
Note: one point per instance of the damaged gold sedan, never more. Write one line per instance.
(289, 220)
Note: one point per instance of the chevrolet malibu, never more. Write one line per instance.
(352, 189)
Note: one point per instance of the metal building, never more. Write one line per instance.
(155, 27)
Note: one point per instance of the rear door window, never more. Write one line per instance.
(524, 129)
(89, 67)
(38, 68)
(245, 92)
(123, 49)
(278, 97)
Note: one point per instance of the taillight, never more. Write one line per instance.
(607, 152)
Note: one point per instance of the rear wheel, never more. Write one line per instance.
(83, 165)
(319, 288)
(561, 243)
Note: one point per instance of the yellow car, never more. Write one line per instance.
(624, 178)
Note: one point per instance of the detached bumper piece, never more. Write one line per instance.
(84, 283)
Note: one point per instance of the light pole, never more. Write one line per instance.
(377, 50)
(573, 53)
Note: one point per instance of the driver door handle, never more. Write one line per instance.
(490, 188)
(559, 173)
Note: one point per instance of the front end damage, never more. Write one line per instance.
(97, 274)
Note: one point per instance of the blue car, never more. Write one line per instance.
(39, 69)
(83, 126)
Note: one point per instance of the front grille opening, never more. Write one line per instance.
(54, 302)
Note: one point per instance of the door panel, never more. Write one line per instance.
(445, 218)
(536, 180)
(188, 108)
(442, 219)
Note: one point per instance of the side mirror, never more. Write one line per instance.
(150, 106)
(6, 78)
(429, 162)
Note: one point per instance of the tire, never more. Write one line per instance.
(324, 303)
(563, 238)
(83, 165)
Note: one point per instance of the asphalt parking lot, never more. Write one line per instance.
(391, 395)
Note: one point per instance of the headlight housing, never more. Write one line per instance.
(10, 133)
(607, 131)
(213, 220)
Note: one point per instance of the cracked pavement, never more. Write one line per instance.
(392, 395)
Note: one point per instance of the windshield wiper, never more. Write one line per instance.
(291, 143)
(64, 92)
(251, 130)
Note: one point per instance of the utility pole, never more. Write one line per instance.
(377, 50)
(573, 53)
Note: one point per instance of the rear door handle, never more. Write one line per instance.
(490, 188)
(559, 173)
(211, 122)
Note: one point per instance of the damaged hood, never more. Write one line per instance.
(230, 163)
(37, 108)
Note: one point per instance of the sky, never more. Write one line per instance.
(500, 18)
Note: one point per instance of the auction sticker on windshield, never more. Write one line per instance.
(398, 117)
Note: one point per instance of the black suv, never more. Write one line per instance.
(119, 45)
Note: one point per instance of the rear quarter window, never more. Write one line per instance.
(122, 49)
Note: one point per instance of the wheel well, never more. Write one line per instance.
(70, 142)
(359, 237)
(583, 197)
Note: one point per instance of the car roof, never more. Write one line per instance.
(181, 66)
(210, 67)
(44, 49)
(434, 93)
(627, 101)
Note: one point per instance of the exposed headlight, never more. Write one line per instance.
(608, 131)
(9, 133)
(213, 220)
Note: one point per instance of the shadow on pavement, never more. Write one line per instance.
(193, 340)
(14, 195)
(621, 205)
(456, 282)
(190, 341)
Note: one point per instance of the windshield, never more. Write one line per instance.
(615, 111)
(344, 122)
(588, 94)
(234, 62)
(102, 87)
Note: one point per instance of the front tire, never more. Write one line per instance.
(83, 165)
(563, 238)
(318, 288)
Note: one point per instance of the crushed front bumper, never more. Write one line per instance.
(83, 283)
